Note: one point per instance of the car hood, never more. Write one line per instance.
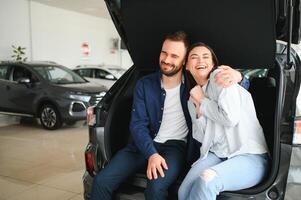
(84, 87)
(242, 33)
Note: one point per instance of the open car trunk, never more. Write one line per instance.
(243, 35)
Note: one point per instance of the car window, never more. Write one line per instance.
(117, 72)
(99, 73)
(252, 73)
(21, 72)
(58, 74)
(84, 72)
(3, 71)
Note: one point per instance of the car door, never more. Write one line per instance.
(4, 84)
(21, 95)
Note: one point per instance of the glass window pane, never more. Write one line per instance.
(3, 72)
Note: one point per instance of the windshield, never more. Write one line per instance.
(58, 74)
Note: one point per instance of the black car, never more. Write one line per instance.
(49, 91)
(244, 35)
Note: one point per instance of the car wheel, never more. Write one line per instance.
(50, 117)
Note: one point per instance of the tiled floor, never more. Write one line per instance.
(36, 164)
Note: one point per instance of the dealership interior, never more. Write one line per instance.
(42, 150)
(36, 163)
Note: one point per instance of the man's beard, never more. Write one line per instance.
(172, 72)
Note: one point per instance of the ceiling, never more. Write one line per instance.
(90, 7)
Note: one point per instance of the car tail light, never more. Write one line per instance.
(91, 120)
(297, 132)
(90, 163)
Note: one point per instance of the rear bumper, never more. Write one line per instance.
(87, 183)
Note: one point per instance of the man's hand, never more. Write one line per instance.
(227, 76)
(155, 163)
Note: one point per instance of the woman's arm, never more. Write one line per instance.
(198, 122)
(221, 105)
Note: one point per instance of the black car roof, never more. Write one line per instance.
(242, 33)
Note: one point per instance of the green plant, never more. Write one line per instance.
(19, 53)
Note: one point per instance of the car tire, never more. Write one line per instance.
(50, 117)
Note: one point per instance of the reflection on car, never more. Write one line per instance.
(51, 92)
(100, 74)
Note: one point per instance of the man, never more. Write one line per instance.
(160, 126)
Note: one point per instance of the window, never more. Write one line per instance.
(58, 74)
(101, 74)
(252, 73)
(21, 72)
(85, 72)
(3, 72)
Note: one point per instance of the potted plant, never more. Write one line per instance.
(19, 53)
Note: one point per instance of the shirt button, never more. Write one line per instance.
(163, 94)
(162, 108)
(160, 121)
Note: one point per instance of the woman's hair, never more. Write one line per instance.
(190, 80)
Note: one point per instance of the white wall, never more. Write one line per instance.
(55, 34)
(14, 27)
(58, 34)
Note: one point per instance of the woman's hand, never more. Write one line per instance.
(197, 96)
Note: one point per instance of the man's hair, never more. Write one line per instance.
(179, 36)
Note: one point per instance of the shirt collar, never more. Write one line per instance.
(161, 82)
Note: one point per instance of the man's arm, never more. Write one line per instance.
(140, 122)
(141, 135)
(228, 76)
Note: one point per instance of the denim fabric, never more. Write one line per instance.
(147, 111)
(128, 161)
(240, 172)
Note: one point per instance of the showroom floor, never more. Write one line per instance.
(36, 164)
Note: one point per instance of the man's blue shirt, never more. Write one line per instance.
(147, 111)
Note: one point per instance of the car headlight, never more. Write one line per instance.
(84, 98)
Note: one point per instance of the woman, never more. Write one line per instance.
(234, 153)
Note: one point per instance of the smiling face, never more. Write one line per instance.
(172, 57)
(200, 63)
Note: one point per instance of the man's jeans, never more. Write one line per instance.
(208, 177)
(128, 161)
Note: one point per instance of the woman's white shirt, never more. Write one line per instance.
(228, 125)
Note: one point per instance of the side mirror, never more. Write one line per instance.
(24, 80)
(110, 77)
